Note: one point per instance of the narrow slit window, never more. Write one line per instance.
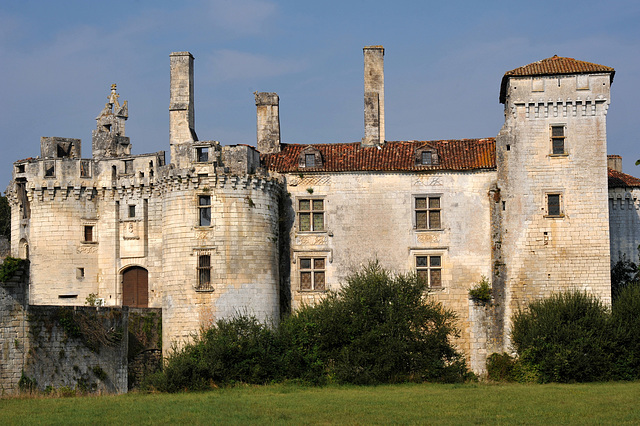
(204, 207)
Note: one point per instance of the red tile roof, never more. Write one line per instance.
(465, 154)
(555, 65)
(622, 180)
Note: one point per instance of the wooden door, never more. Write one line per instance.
(135, 287)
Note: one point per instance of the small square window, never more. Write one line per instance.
(557, 140)
(79, 273)
(312, 273)
(429, 269)
(20, 168)
(204, 207)
(202, 154)
(427, 213)
(132, 211)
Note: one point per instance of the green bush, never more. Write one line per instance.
(500, 367)
(623, 273)
(378, 328)
(625, 319)
(8, 268)
(565, 338)
(481, 292)
(239, 349)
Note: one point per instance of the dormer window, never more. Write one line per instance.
(309, 160)
(310, 157)
(426, 156)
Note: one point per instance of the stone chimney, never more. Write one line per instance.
(268, 122)
(373, 96)
(181, 112)
(614, 162)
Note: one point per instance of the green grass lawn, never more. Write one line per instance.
(600, 403)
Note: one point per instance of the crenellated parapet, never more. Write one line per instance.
(560, 108)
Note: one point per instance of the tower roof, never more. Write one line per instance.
(556, 65)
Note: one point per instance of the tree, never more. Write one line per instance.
(5, 217)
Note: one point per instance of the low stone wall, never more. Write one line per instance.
(81, 348)
(50, 347)
(145, 344)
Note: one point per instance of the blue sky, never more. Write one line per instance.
(443, 66)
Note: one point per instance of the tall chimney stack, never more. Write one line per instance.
(181, 111)
(268, 122)
(373, 96)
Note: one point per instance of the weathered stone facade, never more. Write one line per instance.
(227, 229)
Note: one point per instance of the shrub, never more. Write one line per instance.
(239, 349)
(623, 273)
(500, 367)
(379, 328)
(8, 268)
(625, 319)
(481, 292)
(565, 338)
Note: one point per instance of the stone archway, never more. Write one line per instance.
(23, 249)
(135, 287)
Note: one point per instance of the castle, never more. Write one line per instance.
(225, 229)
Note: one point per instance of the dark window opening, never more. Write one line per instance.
(557, 140)
(79, 273)
(204, 206)
(88, 233)
(204, 272)
(128, 167)
(63, 150)
(312, 273)
(202, 154)
(132, 211)
(85, 168)
(49, 169)
(20, 168)
(553, 205)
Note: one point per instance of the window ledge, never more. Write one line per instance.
(548, 216)
(312, 232)
(312, 291)
(88, 242)
(428, 230)
(559, 155)
(200, 227)
(204, 290)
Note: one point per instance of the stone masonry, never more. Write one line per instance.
(221, 230)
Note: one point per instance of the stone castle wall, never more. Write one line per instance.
(624, 224)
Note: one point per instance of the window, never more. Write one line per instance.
(310, 160)
(85, 168)
(128, 167)
(428, 213)
(312, 273)
(79, 273)
(20, 168)
(202, 154)
(204, 207)
(132, 211)
(204, 272)
(49, 168)
(429, 268)
(310, 215)
(88, 234)
(426, 158)
(557, 140)
(554, 205)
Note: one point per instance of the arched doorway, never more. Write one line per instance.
(23, 249)
(135, 287)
